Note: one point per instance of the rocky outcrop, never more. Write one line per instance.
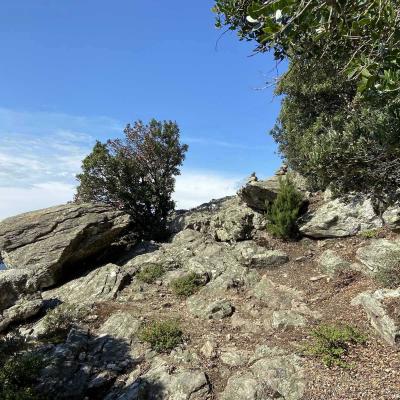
(252, 255)
(54, 241)
(270, 374)
(392, 217)
(383, 310)
(102, 284)
(339, 218)
(259, 194)
(379, 255)
(19, 297)
(332, 262)
(225, 220)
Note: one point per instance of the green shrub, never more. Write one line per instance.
(389, 277)
(284, 211)
(59, 321)
(150, 273)
(369, 234)
(331, 343)
(187, 285)
(19, 375)
(163, 336)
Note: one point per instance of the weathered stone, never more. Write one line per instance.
(225, 220)
(338, 218)
(375, 305)
(209, 349)
(13, 285)
(103, 283)
(259, 194)
(392, 217)
(256, 256)
(234, 357)
(159, 383)
(379, 255)
(272, 374)
(122, 325)
(331, 262)
(53, 242)
(217, 309)
(22, 310)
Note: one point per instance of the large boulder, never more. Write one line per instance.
(340, 218)
(379, 255)
(258, 194)
(225, 220)
(383, 310)
(392, 217)
(54, 241)
(270, 374)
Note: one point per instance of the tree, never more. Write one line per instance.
(136, 173)
(339, 123)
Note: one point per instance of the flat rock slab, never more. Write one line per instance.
(383, 310)
(53, 241)
(102, 284)
(330, 262)
(270, 374)
(379, 255)
(252, 255)
(338, 218)
(225, 220)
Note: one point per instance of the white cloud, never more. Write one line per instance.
(16, 200)
(195, 187)
(40, 154)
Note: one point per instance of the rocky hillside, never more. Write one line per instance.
(222, 311)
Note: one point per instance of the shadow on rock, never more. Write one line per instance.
(85, 366)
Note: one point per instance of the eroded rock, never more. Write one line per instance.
(54, 241)
(377, 306)
(379, 255)
(338, 218)
(331, 262)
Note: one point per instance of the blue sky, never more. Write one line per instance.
(74, 71)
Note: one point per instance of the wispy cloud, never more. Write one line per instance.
(222, 143)
(41, 152)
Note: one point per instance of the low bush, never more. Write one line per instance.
(284, 210)
(389, 277)
(370, 234)
(188, 284)
(163, 336)
(19, 370)
(331, 343)
(59, 321)
(150, 273)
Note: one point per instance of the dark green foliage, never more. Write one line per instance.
(389, 277)
(340, 122)
(19, 370)
(163, 336)
(150, 273)
(284, 211)
(331, 343)
(136, 174)
(188, 284)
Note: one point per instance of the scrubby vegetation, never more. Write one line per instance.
(339, 121)
(150, 273)
(284, 211)
(19, 370)
(188, 284)
(331, 343)
(389, 277)
(370, 234)
(163, 336)
(136, 174)
(59, 321)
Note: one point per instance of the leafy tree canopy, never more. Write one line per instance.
(136, 173)
(367, 31)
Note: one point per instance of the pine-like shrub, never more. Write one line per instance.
(284, 210)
